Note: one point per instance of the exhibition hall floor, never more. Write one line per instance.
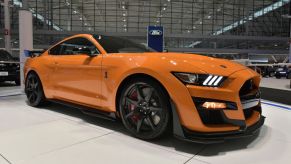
(58, 134)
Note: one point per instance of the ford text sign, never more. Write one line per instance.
(156, 38)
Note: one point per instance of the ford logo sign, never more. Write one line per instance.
(155, 32)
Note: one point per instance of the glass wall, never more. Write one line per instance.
(190, 18)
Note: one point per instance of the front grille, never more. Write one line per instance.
(247, 87)
(248, 113)
(210, 117)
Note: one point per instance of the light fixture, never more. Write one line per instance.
(124, 14)
(209, 16)
(200, 22)
(194, 27)
(124, 25)
(212, 80)
(214, 105)
(81, 18)
(187, 77)
(164, 8)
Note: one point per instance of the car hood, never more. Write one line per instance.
(206, 64)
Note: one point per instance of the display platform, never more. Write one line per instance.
(277, 90)
(59, 134)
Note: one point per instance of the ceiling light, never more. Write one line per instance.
(85, 24)
(276, 45)
(200, 22)
(194, 27)
(75, 12)
(219, 9)
(81, 18)
(124, 25)
(209, 16)
(124, 14)
(164, 8)
(169, 0)
(124, 20)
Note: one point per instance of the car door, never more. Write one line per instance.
(77, 73)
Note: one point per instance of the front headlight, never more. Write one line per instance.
(200, 79)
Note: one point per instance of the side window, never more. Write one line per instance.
(78, 46)
(55, 50)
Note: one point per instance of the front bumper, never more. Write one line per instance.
(12, 76)
(210, 138)
(201, 125)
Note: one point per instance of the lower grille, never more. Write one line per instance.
(210, 117)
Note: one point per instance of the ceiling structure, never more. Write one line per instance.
(187, 23)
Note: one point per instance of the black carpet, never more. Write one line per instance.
(276, 95)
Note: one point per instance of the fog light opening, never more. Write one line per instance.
(214, 105)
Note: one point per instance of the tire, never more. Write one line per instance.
(145, 109)
(289, 76)
(278, 77)
(34, 91)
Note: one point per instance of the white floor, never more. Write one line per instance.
(61, 135)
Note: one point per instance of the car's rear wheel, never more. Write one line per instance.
(144, 108)
(34, 90)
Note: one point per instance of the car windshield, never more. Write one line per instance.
(5, 56)
(120, 45)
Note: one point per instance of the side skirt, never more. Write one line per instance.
(88, 111)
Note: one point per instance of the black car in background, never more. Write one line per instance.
(9, 68)
(283, 72)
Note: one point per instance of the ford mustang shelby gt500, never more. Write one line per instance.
(198, 98)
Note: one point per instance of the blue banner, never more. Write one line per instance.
(156, 38)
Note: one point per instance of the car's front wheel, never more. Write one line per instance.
(144, 108)
(34, 90)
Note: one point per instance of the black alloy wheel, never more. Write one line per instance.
(33, 90)
(144, 108)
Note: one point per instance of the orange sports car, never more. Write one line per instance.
(197, 98)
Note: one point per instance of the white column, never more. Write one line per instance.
(25, 38)
(7, 28)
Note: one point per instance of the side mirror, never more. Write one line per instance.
(84, 51)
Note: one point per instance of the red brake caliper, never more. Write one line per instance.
(135, 117)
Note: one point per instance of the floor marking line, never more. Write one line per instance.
(5, 159)
(276, 105)
(11, 95)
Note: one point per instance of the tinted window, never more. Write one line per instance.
(119, 45)
(75, 46)
(55, 50)
(5, 56)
